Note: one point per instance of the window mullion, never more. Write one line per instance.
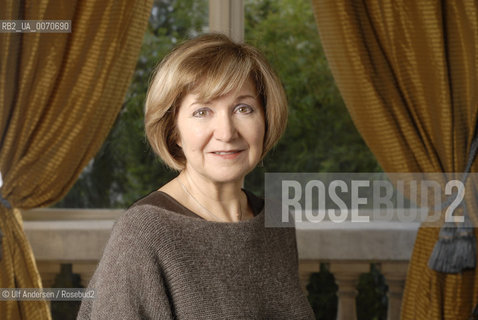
(227, 16)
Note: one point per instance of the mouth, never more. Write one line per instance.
(227, 154)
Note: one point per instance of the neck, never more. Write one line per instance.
(217, 201)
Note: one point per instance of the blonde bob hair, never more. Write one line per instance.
(210, 65)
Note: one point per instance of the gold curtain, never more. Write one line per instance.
(407, 71)
(59, 96)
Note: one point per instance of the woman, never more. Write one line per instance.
(198, 248)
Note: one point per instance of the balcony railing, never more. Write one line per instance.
(78, 237)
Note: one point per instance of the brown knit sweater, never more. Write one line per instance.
(162, 261)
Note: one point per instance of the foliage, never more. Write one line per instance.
(125, 168)
(320, 135)
(322, 294)
(371, 298)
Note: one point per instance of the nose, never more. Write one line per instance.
(224, 128)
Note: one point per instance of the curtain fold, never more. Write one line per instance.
(60, 94)
(408, 72)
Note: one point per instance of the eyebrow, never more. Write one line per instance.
(199, 102)
(244, 96)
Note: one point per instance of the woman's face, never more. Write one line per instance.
(222, 139)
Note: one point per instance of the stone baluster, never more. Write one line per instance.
(347, 276)
(395, 274)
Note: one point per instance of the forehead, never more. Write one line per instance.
(246, 88)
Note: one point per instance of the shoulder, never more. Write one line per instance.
(143, 230)
(143, 224)
(152, 208)
(156, 198)
(153, 219)
(158, 201)
(130, 267)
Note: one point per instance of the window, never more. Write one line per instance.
(320, 135)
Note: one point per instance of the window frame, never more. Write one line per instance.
(227, 17)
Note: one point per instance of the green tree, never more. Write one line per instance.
(125, 168)
(320, 136)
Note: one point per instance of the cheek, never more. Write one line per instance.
(256, 136)
(191, 138)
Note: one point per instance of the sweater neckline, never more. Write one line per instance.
(255, 203)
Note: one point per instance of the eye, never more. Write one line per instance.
(243, 108)
(201, 113)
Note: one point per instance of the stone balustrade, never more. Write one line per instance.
(78, 237)
(349, 249)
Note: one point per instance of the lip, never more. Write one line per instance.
(227, 154)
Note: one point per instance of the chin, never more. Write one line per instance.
(228, 175)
